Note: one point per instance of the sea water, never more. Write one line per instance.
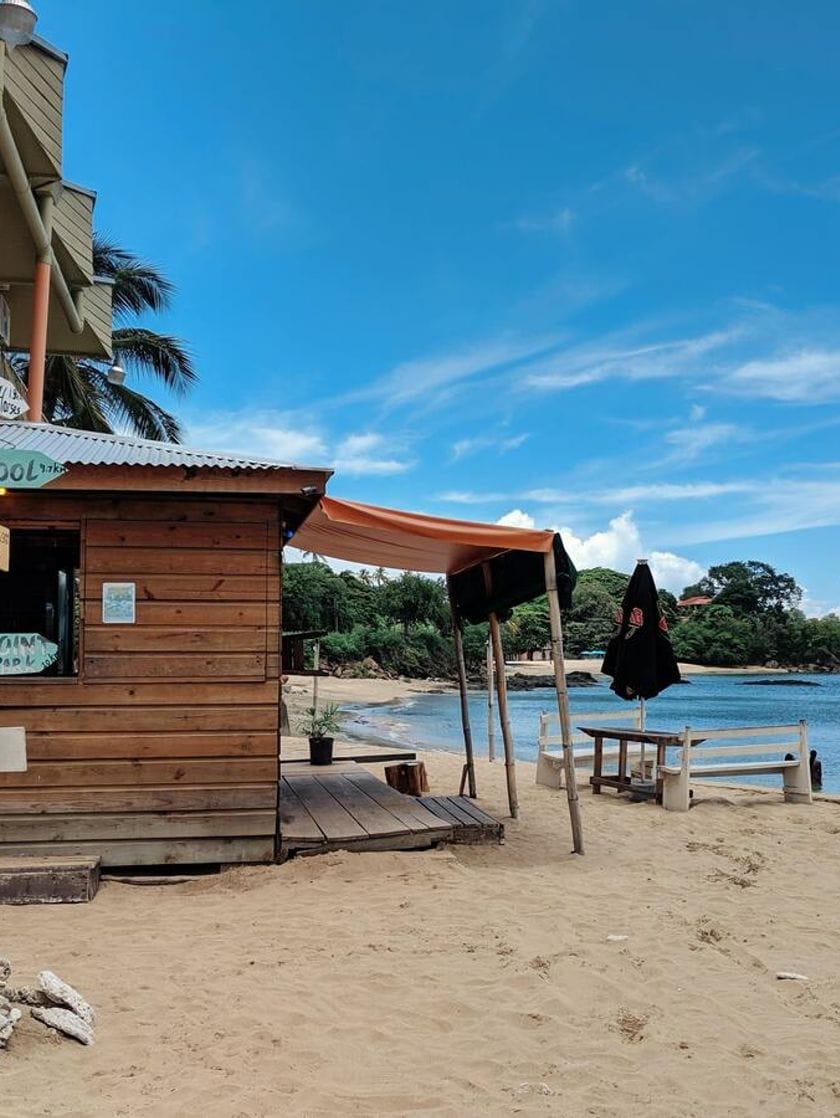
(433, 721)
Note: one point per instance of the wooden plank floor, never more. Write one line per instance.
(348, 808)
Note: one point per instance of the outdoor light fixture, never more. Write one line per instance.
(116, 374)
(17, 22)
(310, 490)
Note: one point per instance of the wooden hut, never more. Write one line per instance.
(151, 577)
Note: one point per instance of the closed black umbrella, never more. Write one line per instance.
(639, 657)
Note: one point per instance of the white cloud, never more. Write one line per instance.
(367, 455)
(260, 435)
(516, 518)
(807, 376)
(620, 546)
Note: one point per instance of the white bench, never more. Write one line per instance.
(550, 742)
(726, 758)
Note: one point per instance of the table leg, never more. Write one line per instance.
(622, 761)
(660, 761)
(597, 766)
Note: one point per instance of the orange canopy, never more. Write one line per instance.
(408, 541)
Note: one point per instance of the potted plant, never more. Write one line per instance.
(319, 727)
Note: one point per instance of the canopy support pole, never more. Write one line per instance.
(563, 699)
(501, 694)
(468, 773)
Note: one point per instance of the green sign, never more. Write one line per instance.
(25, 653)
(27, 469)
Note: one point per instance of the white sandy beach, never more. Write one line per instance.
(463, 981)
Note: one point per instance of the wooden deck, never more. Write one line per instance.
(344, 807)
(296, 749)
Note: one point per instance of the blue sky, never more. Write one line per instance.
(571, 264)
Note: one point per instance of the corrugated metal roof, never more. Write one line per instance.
(89, 448)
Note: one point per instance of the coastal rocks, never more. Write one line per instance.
(779, 683)
(521, 682)
(9, 1017)
(64, 1021)
(56, 1004)
(60, 993)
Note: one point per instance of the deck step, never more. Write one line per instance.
(50, 879)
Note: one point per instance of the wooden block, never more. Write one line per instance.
(408, 777)
(48, 879)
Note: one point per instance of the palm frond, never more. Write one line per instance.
(158, 355)
(127, 409)
(138, 286)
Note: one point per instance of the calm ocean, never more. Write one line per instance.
(433, 721)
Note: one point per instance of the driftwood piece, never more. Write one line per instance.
(64, 995)
(408, 777)
(65, 1021)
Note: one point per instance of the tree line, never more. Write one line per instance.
(404, 624)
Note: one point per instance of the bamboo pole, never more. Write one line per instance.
(563, 700)
(316, 664)
(468, 774)
(491, 728)
(501, 693)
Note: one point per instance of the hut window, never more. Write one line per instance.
(40, 595)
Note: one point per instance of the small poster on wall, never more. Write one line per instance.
(118, 603)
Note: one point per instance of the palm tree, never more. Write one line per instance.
(77, 392)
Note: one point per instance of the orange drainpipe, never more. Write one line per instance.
(40, 318)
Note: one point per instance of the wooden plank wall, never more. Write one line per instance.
(164, 749)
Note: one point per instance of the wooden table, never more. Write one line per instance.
(621, 780)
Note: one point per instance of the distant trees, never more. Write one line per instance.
(404, 622)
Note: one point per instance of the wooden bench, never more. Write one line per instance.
(550, 742)
(784, 750)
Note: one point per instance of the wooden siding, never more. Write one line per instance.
(166, 743)
(96, 303)
(34, 82)
(73, 234)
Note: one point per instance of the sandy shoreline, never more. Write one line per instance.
(463, 981)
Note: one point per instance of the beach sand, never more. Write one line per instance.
(462, 981)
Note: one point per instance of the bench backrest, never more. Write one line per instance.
(550, 733)
(741, 742)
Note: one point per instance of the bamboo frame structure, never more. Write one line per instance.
(468, 774)
(563, 700)
(501, 694)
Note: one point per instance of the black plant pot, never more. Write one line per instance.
(320, 751)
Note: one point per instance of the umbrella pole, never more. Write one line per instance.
(491, 728)
(563, 699)
(501, 694)
(468, 774)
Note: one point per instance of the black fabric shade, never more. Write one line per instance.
(639, 657)
(517, 577)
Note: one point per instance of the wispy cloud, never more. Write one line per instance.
(690, 442)
(588, 364)
(557, 223)
(778, 505)
(501, 445)
(434, 376)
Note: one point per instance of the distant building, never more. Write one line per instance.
(690, 603)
